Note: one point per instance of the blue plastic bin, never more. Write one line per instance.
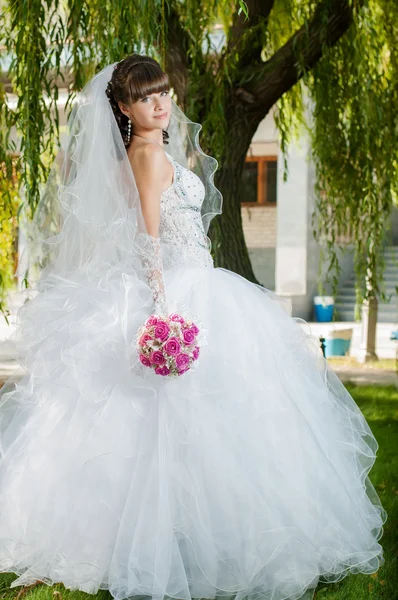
(324, 308)
(337, 347)
(338, 342)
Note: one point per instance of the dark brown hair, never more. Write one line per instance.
(134, 78)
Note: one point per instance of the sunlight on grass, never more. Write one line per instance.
(380, 407)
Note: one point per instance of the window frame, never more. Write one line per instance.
(261, 192)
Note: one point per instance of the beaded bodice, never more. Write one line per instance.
(182, 237)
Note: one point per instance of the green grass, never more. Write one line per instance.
(380, 407)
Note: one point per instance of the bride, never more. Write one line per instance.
(247, 475)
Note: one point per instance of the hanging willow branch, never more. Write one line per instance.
(36, 41)
(33, 39)
(355, 92)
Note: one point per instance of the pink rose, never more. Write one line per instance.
(145, 361)
(161, 331)
(162, 371)
(151, 321)
(144, 339)
(196, 352)
(176, 318)
(172, 346)
(188, 336)
(194, 329)
(182, 361)
(183, 371)
(157, 358)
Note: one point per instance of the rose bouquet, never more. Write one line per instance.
(168, 345)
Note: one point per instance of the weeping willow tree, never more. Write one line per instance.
(329, 65)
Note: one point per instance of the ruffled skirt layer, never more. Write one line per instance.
(244, 477)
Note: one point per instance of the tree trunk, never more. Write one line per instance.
(369, 321)
(368, 330)
(226, 231)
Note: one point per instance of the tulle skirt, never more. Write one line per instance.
(245, 477)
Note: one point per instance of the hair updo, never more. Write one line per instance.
(133, 78)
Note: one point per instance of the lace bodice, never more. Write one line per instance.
(182, 237)
(182, 241)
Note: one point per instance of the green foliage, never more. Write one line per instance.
(353, 91)
(9, 203)
(353, 136)
(33, 36)
(34, 40)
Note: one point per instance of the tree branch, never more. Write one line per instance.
(259, 10)
(304, 49)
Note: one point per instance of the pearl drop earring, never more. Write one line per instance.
(128, 131)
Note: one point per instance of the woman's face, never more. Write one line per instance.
(151, 112)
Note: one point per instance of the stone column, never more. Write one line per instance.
(292, 223)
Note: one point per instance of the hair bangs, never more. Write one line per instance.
(146, 79)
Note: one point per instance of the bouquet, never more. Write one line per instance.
(168, 345)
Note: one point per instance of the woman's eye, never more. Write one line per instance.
(148, 97)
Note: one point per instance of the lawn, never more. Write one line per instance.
(380, 407)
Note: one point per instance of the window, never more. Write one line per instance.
(259, 181)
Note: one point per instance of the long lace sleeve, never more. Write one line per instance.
(153, 271)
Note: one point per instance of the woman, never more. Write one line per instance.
(244, 476)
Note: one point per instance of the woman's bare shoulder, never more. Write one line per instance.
(146, 155)
(148, 162)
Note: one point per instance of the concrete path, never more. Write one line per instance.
(367, 376)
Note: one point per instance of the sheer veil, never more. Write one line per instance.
(88, 221)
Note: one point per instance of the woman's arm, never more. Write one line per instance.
(149, 169)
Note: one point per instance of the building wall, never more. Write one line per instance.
(259, 222)
(259, 227)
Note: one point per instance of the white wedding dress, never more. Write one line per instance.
(246, 477)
